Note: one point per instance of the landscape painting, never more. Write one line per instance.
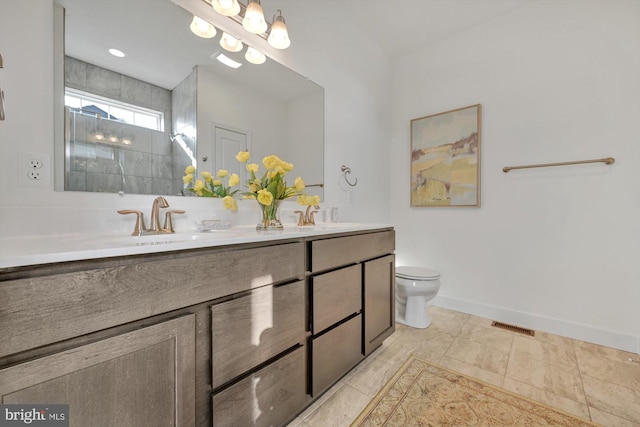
(445, 158)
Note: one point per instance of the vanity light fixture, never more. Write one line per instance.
(251, 17)
(253, 20)
(255, 56)
(230, 43)
(226, 7)
(228, 61)
(279, 36)
(116, 52)
(202, 28)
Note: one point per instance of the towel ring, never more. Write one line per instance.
(346, 171)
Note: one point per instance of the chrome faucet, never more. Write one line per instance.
(154, 226)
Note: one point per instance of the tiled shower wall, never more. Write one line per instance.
(146, 166)
(184, 107)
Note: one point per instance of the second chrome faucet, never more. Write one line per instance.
(140, 228)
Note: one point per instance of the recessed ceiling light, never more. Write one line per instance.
(116, 52)
(228, 61)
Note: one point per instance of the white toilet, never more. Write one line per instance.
(415, 286)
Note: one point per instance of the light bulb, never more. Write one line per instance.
(253, 20)
(202, 28)
(226, 7)
(230, 43)
(255, 56)
(279, 37)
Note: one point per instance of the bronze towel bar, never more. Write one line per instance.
(606, 160)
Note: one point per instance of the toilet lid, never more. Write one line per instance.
(417, 273)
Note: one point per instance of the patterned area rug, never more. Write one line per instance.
(422, 394)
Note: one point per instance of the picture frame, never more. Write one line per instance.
(445, 158)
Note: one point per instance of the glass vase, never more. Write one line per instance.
(270, 217)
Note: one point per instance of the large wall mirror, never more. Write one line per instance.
(132, 124)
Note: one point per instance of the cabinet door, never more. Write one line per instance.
(141, 378)
(250, 330)
(379, 301)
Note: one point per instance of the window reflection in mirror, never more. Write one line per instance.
(200, 110)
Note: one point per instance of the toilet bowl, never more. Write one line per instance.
(415, 286)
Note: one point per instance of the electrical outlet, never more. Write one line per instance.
(34, 169)
(36, 163)
(34, 175)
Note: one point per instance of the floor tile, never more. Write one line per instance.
(561, 380)
(607, 419)
(340, 409)
(482, 347)
(555, 352)
(547, 397)
(447, 321)
(370, 378)
(470, 370)
(613, 398)
(608, 364)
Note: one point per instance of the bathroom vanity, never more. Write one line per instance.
(247, 330)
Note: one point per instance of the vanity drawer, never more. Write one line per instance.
(338, 251)
(269, 397)
(336, 295)
(252, 329)
(334, 353)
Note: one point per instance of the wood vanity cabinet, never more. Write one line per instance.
(352, 302)
(233, 335)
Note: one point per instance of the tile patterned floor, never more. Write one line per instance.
(594, 382)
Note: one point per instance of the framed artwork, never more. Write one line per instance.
(445, 158)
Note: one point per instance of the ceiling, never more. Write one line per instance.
(401, 26)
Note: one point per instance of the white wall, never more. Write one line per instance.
(555, 249)
(305, 138)
(261, 117)
(356, 126)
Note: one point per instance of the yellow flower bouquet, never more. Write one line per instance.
(213, 186)
(270, 188)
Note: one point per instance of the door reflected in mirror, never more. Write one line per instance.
(133, 123)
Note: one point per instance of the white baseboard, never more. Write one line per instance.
(564, 328)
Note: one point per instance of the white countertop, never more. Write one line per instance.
(23, 251)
